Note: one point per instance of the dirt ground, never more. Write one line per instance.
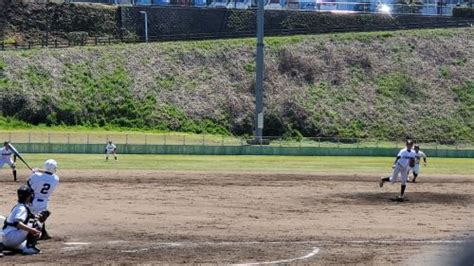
(193, 217)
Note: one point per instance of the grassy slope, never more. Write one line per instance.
(280, 164)
(385, 85)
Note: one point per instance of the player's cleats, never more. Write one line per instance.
(45, 236)
(414, 180)
(400, 199)
(381, 182)
(30, 251)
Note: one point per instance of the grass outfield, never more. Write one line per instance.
(284, 164)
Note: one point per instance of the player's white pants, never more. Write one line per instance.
(403, 171)
(9, 162)
(416, 169)
(110, 152)
(15, 239)
(39, 205)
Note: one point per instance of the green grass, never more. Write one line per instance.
(85, 135)
(118, 88)
(270, 164)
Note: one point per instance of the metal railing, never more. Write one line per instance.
(214, 140)
(101, 41)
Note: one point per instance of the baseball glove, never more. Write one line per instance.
(412, 162)
(43, 216)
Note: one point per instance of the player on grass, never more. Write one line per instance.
(43, 182)
(110, 149)
(418, 155)
(6, 158)
(404, 160)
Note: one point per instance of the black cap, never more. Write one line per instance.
(23, 192)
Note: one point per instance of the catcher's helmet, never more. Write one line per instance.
(50, 165)
(24, 192)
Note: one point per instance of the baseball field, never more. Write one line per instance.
(250, 209)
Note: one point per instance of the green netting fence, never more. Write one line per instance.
(232, 150)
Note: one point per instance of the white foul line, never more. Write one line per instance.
(307, 256)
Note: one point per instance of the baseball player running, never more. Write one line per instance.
(418, 155)
(6, 158)
(404, 160)
(43, 182)
(110, 149)
(18, 233)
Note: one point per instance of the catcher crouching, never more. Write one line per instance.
(22, 229)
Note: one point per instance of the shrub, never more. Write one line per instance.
(463, 12)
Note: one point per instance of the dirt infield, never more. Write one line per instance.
(197, 217)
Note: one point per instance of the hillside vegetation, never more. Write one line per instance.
(386, 85)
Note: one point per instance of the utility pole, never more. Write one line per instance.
(259, 73)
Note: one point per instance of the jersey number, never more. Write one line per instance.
(45, 188)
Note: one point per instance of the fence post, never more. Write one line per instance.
(9, 136)
(109, 40)
(87, 138)
(184, 140)
(95, 40)
(222, 140)
(146, 141)
(3, 45)
(126, 138)
(55, 43)
(49, 138)
(29, 137)
(164, 140)
(68, 138)
(203, 140)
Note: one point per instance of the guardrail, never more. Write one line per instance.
(101, 41)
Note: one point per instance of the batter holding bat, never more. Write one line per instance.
(43, 182)
(6, 158)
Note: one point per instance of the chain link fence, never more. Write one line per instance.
(213, 140)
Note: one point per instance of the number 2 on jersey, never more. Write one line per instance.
(45, 188)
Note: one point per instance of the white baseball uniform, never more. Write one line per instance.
(402, 166)
(418, 156)
(110, 149)
(14, 238)
(43, 184)
(6, 157)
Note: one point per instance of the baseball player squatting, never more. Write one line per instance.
(110, 149)
(404, 160)
(22, 229)
(6, 158)
(43, 182)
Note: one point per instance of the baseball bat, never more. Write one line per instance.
(18, 155)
